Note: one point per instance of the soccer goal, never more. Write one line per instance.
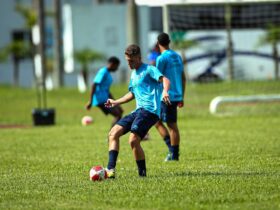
(229, 41)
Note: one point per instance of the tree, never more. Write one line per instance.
(85, 57)
(181, 44)
(272, 36)
(19, 50)
(29, 15)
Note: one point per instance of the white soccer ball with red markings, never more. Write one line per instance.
(97, 173)
(87, 120)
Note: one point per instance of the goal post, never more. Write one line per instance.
(221, 43)
(214, 104)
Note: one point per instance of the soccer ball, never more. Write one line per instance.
(87, 120)
(97, 173)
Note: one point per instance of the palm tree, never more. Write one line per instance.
(181, 44)
(18, 50)
(85, 57)
(272, 37)
(29, 15)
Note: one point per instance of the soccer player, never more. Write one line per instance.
(171, 66)
(145, 86)
(100, 90)
(154, 53)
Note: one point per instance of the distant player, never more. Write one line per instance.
(171, 66)
(153, 54)
(100, 90)
(145, 86)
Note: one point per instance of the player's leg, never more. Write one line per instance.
(170, 117)
(175, 139)
(117, 112)
(119, 129)
(113, 138)
(143, 121)
(163, 133)
(138, 152)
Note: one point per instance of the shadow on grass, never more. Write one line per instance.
(215, 173)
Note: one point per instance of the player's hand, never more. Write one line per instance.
(88, 105)
(110, 103)
(180, 104)
(165, 98)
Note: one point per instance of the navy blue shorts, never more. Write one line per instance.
(138, 122)
(107, 110)
(168, 113)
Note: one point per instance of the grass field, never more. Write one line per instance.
(226, 162)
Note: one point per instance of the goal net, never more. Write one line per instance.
(235, 42)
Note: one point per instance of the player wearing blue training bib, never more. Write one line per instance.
(100, 90)
(145, 86)
(171, 66)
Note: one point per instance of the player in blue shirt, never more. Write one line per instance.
(171, 66)
(145, 86)
(152, 56)
(100, 90)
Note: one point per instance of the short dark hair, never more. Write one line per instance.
(132, 49)
(163, 39)
(114, 60)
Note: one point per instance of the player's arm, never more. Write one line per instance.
(166, 87)
(89, 104)
(126, 98)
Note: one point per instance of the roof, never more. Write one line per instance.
(174, 2)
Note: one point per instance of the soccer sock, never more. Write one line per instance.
(175, 152)
(141, 167)
(167, 142)
(113, 155)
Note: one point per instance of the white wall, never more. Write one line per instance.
(246, 67)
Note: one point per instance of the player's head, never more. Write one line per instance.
(133, 56)
(163, 39)
(113, 63)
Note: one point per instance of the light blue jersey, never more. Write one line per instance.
(171, 66)
(103, 81)
(146, 88)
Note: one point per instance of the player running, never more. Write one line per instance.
(100, 90)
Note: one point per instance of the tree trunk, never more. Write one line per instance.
(59, 63)
(229, 51)
(131, 26)
(132, 23)
(41, 48)
(85, 76)
(16, 72)
(276, 62)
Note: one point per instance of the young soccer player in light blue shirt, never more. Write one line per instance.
(171, 66)
(145, 86)
(100, 90)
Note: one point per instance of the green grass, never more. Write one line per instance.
(229, 162)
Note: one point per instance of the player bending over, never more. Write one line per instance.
(100, 90)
